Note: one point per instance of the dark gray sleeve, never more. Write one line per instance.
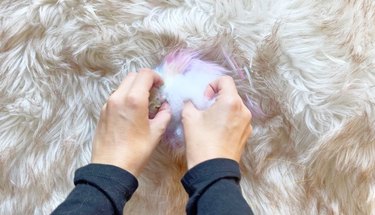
(213, 188)
(100, 189)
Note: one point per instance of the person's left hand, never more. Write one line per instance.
(125, 136)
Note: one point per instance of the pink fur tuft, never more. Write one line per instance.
(186, 78)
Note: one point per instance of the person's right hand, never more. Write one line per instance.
(220, 131)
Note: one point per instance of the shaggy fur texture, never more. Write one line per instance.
(312, 71)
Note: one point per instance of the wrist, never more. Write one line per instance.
(192, 162)
(132, 168)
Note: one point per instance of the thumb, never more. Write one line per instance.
(160, 122)
(209, 92)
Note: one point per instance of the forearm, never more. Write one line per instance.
(213, 189)
(100, 189)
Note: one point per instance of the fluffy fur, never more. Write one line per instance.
(186, 78)
(312, 70)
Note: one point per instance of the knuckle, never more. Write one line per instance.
(227, 78)
(113, 102)
(234, 103)
(145, 71)
(133, 101)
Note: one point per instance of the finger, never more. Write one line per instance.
(160, 122)
(209, 92)
(164, 106)
(224, 86)
(189, 110)
(125, 85)
(145, 80)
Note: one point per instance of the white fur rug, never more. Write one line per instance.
(313, 72)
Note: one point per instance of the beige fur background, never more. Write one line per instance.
(313, 74)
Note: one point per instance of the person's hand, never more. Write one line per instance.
(125, 136)
(220, 131)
